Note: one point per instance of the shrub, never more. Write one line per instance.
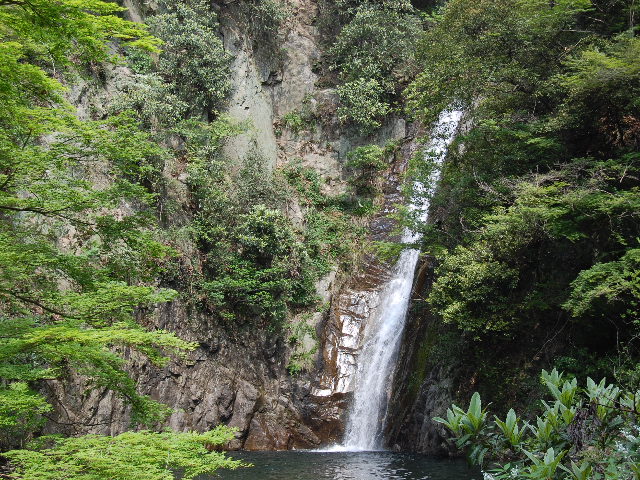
(580, 434)
(374, 55)
(303, 339)
(352, 5)
(362, 103)
(265, 18)
(193, 60)
(135, 455)
(368, 161)
(376, 44)
(367, 158)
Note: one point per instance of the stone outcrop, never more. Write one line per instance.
(237, 375)
(355, 304)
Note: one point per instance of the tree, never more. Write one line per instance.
(534, 221)
(132, 455)
(78, 250)
(193, 61)
(374, 55)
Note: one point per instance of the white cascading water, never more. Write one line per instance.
(376, 363)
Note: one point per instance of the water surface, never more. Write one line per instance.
(305, 465)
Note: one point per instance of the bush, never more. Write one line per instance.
(132, 455)
(369, 158)
(261, 268)
(265, 18)
(257, 264)
(368, 161)
(373, 55)
(376, 44)
(362, 103)
(580, 434)
(193, 60)
(353, 5)
(303, 338)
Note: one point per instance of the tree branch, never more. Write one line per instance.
(38, 304)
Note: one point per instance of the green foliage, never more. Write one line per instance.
(360, 103)
(293, 121)
(34, 350)
(254, 263)
(157, 105)
(298, 121)
(497, 51)
(373, 55)
(602, 85)
(133, 455)
(551, 215)
(21, 409)
(333, 237)
(304, 340)
(464, 290)
(534, 221)
(57, 32)
(590, 433)
(352, 6)
(265, 19)
(607, 287)
(79, 253)
(307, 183)
(253, 257)
(469, 423)
(331, 233)
(193, 60)
(369, 157)
(387, 251)
(376, 44)
(64, 306)
(367, 161)
(510, 428)
(189, 77)
(267, 271)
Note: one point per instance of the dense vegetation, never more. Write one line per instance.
(139, 455)
(254, 264)
(579, 434)
(95, 234)
(536, 226)
(79, 249)
(374, 57)
(536, 218)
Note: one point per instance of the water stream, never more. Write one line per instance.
(376, 363)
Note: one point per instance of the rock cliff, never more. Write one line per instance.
(238, 375)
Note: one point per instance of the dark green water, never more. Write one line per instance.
(304, 465)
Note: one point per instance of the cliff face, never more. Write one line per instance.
(238, 375)
(424, 386)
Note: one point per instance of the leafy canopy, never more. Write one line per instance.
(373, 55)
(534, 222)
(141, 455)
(78, 251)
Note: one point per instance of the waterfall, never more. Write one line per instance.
(376, 362)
